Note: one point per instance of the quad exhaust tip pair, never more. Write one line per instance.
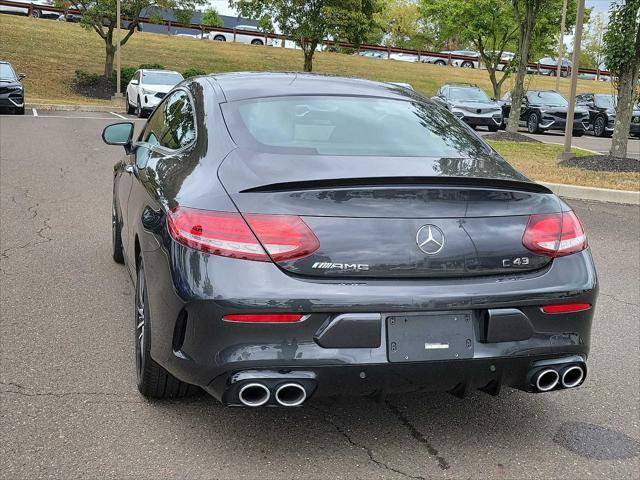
(546, 379)
(256, 394)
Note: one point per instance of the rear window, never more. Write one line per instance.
(362, 126)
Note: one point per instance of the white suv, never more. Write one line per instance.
(147, 88)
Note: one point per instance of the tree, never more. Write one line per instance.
(311, 22)
(489, 27)
(100, 16)
(401, 25)
(211, 18)
(493, 26)
(622, 57)
(592, 50)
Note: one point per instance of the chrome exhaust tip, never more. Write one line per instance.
(291, 395)
(572, 376)
(547, 380)
(254, 394)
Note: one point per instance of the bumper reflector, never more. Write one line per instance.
(264, 318)
(566, 308)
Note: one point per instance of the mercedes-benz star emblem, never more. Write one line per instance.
(430, 239)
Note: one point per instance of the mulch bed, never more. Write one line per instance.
(102, 89)
(510, 137)
(603, 163)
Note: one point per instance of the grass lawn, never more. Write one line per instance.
(539, 161)
(49, 52)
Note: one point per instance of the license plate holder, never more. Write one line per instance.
(432, 336)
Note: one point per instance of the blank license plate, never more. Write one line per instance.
(438, 336)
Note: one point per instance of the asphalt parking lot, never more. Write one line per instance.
(69, 407)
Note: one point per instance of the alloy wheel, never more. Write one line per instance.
(598, 127)
(532, 123)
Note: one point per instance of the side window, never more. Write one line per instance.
(178, 128)
(153, 130)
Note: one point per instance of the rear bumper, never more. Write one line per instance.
(190, 294)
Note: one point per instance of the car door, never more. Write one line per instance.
(136, 161)
(171, 129)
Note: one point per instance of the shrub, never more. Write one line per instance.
(86, 78)
(152, 66)
(193, 72)
(126, 74)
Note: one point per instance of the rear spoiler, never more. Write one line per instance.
(473, 182)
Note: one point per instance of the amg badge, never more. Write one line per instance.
(341, 266)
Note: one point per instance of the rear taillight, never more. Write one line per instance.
(566, 307)
(554, 234)
(264, 318)
(285, 237)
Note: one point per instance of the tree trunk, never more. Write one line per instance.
(110, 53)
(526, 29)
(309, 48)
(626, 98)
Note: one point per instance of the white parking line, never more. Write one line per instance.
(35, 112)
(117, 115)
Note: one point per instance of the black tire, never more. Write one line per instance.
(152, 380)
(257, 41)
(467, 64)
(116, 237)
(533, 122)
(493, 128)
(139, 110)
(440, 62)
(578, 133)
(220, 38)
(130, 108)
(36, 13)
(599, 126)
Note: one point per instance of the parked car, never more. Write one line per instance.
(147, 88)
(253, 39)
(602, 112)
(436, 60)
(471, 104)
(404, 57)
(372, 54)
(546, 110)
(279, 255)
(40, 9)
(11, 89)
(466, 63)
(635, 121)
(505, 56)
(549, 66)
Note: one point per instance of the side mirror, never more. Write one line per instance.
(134, 81)
(21, 76)
(119, 134)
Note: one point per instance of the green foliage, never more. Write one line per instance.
(311, 22)
(151, 66)
(401, 25)
(156, 18)
(86, 78)
(211, 18)
(126, 74)
(620, 37)
(193, 72)
(183, 16)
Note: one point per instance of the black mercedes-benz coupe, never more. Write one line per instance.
(297, 235)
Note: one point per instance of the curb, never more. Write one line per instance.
(75, 108)
(597, 194)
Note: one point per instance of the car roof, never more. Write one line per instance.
(157, 70)
(245, 85)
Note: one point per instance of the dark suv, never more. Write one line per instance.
(11, 89)
(471, 104)
(546, 110)
(602, 113)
